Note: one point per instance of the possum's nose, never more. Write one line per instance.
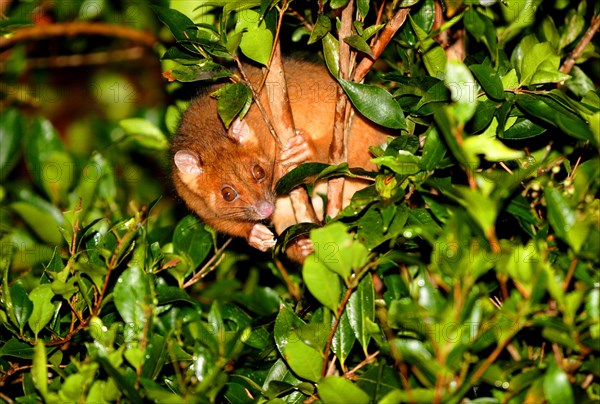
(265, 209)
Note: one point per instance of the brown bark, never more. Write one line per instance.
(283, 121)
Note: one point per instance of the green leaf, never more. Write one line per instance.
(425, 13)
(320, 29)
(463, 89)
(434, 150)
(11, 134)
(331, 51)
(39, 369)
(483, 209)
(133, 300)
(50, 166)
(22, 306)
(232, 99)
(557, 387)
(180, 25)
(335, 4)
(375, 103)
(343, 339)
(18, 349)
(363, 7)
(192, 240)
(563, 218)
(144, 133)
(337, 250)
(257, 41)
(43, 309)
(434, 56)
(304, 360)
(123, 383)
(540, 65)
(361, 311)
(322, 283)
(335, 389)
(285, 323)
(538, 106)
(489, 80)
(370, 31)
(571, 28)
(405, 163)
(490, 147)
(482, 28)
(359, 43)
(418, 395)
(42, 218)
(205, 70)
(523, 128)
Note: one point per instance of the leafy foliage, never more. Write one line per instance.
(466, 271)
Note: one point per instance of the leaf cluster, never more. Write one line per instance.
(467, 270)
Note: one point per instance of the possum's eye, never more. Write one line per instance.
(258, 173)
(228, 194)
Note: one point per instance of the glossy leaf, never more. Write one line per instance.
(337, 250)
(361, 311)
(51, 167)
(489, 80)
(557, 387)
(304, 360)
(321, 28)
(144, 133)
(133, 300)
(523, 128)
(232, 99)
(563, 218)
(39, 370)
(22, 306)
(482, 29)
(192, 240)
(335, 389)
(537, 106)
(540, 65)
(359, 43)
(43, 309)
(343, 339)
(18, 349)
(322, 283)
(11, 133)
(257, 41)
(375, 103)
(462, 87)
(177, 22)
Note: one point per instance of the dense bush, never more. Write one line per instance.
(466, 273)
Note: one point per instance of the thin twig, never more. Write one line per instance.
(570, 274)
(388, 32)
(209, 266)
(72, 29)
(256, 97)
(337, 149)
(273, 50)
(587, 37)
(288, 281)
(363, 363)
(87, 59)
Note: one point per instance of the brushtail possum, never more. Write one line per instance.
(227, 176)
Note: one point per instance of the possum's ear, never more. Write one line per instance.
(240, 131)
(188, 162)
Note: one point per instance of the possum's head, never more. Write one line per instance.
(223, 175)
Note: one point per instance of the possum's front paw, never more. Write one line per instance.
(299, 249)
(299, 149)
(261, 237)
